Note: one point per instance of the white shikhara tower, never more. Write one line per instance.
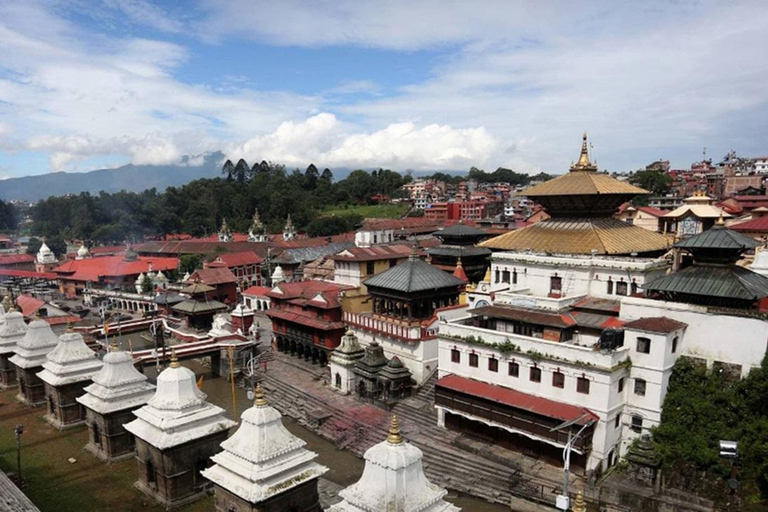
(67, 370)
(29, 358)
(393, 481)
(116, 391)
(263, 464)
(11, 332)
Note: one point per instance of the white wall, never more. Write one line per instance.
(347, 272)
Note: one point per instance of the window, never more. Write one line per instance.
(640, 387)
(535, 374)
(369, 268)
(555, 286)
(558, 380)
(617, 421)
(609, 291)
(637, 424)
(455, 356)
(582, 385)
(633, 288)
(493, 364)
(151, 478)
(629, 221)
(392, 262)
(644, 345)
(473, 360)
(338, 380)
(96, 434)
(621, 384)
(505, 276)
(621, 288)
(514, 276)
(513, 369)
(674, 344)
(498, 276)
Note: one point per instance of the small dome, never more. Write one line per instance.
(395, 362)
(82, 252)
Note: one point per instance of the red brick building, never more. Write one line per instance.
(467, 210)
(306, 318)
(222, 279)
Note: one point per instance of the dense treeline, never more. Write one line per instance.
(499, 175)
(198, 207)
(703, 407)
(8, 220)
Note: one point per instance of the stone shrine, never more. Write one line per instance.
(67, 370)
(117, 390)
(29, 358)
(176, 434)
(265, 468)
(11, 332)
(342, 363)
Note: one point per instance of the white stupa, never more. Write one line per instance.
(45, 255)
(117, 386)
(82, 252)
(12, 331)
(263, 459)
(37, 342)
(71, 361)
(278, 276)
(393, 481)
(178, 412)
(760, 265)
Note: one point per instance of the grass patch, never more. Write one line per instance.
(53, 483)
(371, 211)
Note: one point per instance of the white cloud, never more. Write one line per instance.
(326, 141)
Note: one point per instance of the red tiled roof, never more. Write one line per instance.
(237, 259)
(660, 324)
(758, 225)
(28, 274)
(90, 269)
(13, 259)
(28, 304)
(257, 291)
(302, 292)
(517, 399)
(314, 323)
(538, 317)
(107, 250)
(377, 252)
(213, 276)
(656, 212)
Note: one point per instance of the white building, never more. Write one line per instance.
(263, 466)
(761, 164)
(342, 363)
(11, 332)
(393, 480)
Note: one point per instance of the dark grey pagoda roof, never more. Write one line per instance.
(300, 255)
(197, 307)
(718, 237)
(395, 370)
(373, 361)
(459, 251)
(460, 229)
(413, 275)
(712, 282)
(168, 298)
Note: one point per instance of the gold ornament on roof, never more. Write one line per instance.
(114, 345)
(578, 503)
(720, 220)
(394, 436)
(584, 164)
(258, 397)
(174, 359)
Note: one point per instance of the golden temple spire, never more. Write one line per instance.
(584, 164)
(115, 347)
(578, 503)
(720, 220)
(174, 359)
(394, 436)
(258, 396)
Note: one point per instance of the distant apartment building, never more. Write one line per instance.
(467, 210)
(761, 164)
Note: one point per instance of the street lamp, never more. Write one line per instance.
(562, 500)
(18, 431)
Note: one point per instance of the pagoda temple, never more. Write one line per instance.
(714, 278)
(117, 390)
(581, 204)
(393, 479)
(459, 244)
(11, 332)
(29, 358)
(67, 370)
(263, 467)
(199, 309)
(176, 434)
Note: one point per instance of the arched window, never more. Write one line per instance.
(151, 477)
(674, 343)
(96, 434)
(338, 380)
(609, 285)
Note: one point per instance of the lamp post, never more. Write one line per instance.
(18, 431)
(562, 500)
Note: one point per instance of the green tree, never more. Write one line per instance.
(146, 284)
(33, 246)
(8, 220)
(242, 171)
(228, 169)
(188, 263)
(656, 182)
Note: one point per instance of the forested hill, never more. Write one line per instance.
(132, 178)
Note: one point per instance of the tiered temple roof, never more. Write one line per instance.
(35, 345)
(262, 459)
(412, 276)
(71, 361)
(117, 386)
(581, 204)
(12, 331)
(178, 412)
(348, 351)
(393, 480)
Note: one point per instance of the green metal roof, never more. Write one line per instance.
(718, 238)
(722, 281)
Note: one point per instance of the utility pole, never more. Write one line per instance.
(18, 431)
(563, 500)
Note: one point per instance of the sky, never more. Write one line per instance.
(422, 85)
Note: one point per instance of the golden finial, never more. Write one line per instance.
(458, 263)
(174, 359)
(721, 221)
(38, 316)
(114, 345)
(487, 278)
(70, 327)
(578, 503)
(258, 396)
(584, 164)
(394, 436)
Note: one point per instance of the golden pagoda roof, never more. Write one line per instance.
(583, 183)
(607, 236)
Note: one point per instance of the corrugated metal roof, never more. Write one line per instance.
(532, 316)
(583, 183)
(718, 238)
(580, 236)
(460, 229)
(193, 306)
(413, 275)
(459, 251)
(727, 281)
